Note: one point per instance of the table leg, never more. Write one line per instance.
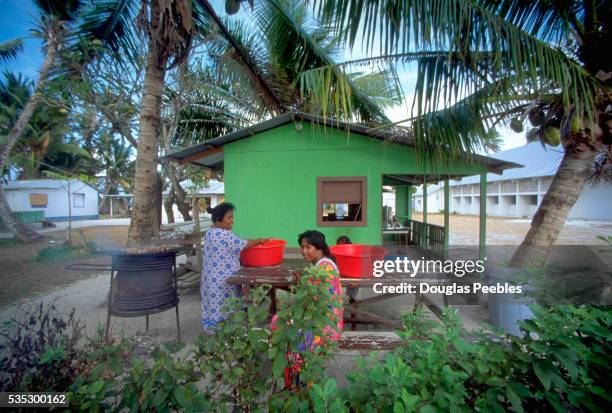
(352, 301)
(418, 299)
(272, 301)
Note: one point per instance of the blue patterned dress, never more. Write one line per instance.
(221, 260)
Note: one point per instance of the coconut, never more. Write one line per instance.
(232, 6)
(533, 135)
(552, 136)
(516, 125)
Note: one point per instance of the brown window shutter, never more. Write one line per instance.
(346, 192)
(38, 199)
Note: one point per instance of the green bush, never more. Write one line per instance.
(63, 252)
(39, 349)
(9, 242)
(560, 363)
(239, 349)
(300, 321)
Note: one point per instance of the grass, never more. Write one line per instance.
(9, 242)
(64, 252)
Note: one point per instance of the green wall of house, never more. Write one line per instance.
(272, 179)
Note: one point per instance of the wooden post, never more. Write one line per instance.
(409, 210)
(110, 201)
(69, 215)
(446, 216)
(424, 236)
(482, 239)
(196, 227)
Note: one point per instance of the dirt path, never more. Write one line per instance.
(21, 277)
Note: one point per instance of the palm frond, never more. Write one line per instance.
(9, 50)
(247, 74)
(300, 45)
(65, 10)
(509, 31)
(113, 23)
(203, 24)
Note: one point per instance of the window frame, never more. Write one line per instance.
(363, 180)
(74, 198)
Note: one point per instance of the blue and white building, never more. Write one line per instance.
(519, 191)
(57, 198)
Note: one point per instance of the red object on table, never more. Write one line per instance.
(357, 260)
(268, 253)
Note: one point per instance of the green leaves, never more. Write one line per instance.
(10, 49)
(280, 362)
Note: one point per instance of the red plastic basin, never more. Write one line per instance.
(357, 260)
(268, 253)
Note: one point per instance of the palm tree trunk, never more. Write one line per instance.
(21, 231)
(180, 197)
(143, 222)
(168, 203)
(575, 169)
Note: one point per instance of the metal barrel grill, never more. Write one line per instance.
(141, 284)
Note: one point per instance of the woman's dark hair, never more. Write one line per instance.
(343, 239)
(217, 213)
(317, 240)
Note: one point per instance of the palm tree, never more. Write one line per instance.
(53, 29)
(45, 141)
(169, 27)
(484, 63)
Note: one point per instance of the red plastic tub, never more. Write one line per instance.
(357, 260)
(268, 253)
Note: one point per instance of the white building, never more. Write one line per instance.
(212, 195)
(51, 196)
(518, 192)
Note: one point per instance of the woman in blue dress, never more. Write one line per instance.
(221, 260)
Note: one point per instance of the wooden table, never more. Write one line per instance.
(280, 277)
(398, 231)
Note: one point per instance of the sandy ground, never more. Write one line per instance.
(20, 277)
(464, 230)
(26, 283)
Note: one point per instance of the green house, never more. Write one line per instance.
(298, 171)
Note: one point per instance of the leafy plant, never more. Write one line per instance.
(607, 239)
(300, 324)
(168, 385)
(560, 363)
(238, 349)
(39, 349)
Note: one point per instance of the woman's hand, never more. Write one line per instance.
(256, 241)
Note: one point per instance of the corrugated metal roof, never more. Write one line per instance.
(537, 161)
(43, 184)
(215, 159)
(213, 188)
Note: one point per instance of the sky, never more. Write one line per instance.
(18, 17)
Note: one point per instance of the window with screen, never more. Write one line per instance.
(78, 200)
(341, 201)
